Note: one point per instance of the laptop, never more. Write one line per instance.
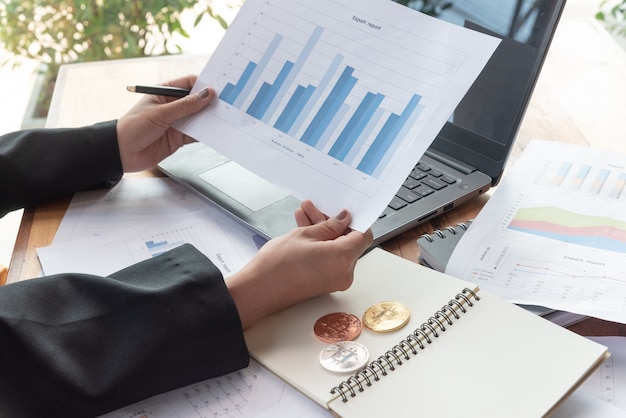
(465, 160)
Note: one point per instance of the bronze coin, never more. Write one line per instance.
(337, 326)
(386, 316)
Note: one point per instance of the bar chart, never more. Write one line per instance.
(335, 100)
(582, 177)
(156, 248)
(304, 84)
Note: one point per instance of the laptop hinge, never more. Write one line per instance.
(450, 161)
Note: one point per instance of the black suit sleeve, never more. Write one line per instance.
(81, 345)
(40, 164)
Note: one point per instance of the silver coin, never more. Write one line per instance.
(344, 356)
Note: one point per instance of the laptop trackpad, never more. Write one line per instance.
(244, 186)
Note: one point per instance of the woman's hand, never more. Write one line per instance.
(316, 258)
(145, 135)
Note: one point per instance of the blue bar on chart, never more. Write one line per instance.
(160, 247)
(328, 133)
(267, 93)
(618, 187)
(353, 155)
(387, 135)
(294, 107)
(558, 178)
(402, 133)
(355, 126)
(330, 107)
(236, 94)
(598, 182)
(580, 177)
(284, 85)
(321, 127)
(321, 87)
(231, 91)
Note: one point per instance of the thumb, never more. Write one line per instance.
(186, 106)
(332, 227)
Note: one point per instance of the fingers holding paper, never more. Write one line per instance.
(145, 134)
(316, 258)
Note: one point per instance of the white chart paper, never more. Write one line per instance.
(553, 233)
(105, 231)
(335, 101)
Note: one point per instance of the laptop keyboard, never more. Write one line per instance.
(423, 181)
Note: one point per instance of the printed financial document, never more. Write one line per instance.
(335, 101)
(553, 233)
(105, 231)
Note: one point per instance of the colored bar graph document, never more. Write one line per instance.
(335, 101)
(554, 233)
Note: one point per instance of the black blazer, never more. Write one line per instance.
(81, 345)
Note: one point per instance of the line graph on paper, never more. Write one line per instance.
(554, 234)
(559, 276)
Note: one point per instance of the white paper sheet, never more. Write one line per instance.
(227, 244)
(335, 101)
(220, 397)
(107, 230)
(608, 383)
(603, 394)
(133, 201)
(553, 233)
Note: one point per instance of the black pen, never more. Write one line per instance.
(160, 90)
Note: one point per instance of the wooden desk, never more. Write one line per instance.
(580, 98)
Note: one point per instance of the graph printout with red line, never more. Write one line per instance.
(335, 101)
(554, 233)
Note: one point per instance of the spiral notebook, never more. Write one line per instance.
(465, 352)
(436, 248)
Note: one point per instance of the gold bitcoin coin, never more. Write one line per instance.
(386, 316)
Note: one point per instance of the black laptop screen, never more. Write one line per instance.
(484, 125)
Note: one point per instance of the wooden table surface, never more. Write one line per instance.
(580, 98)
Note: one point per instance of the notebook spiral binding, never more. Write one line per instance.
(440, 234)
(407, 348)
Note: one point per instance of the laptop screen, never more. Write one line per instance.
(484, 125)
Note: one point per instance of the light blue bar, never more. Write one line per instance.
(151, 244)
(254, 107)
(330, 106)
(321, 87)
(227, 91)
(230, 93)
(598, 182)
(264, 101)
(355, 125)
(332, 127)
(289, 109)
(294, 107)
(367, 132)
(396, 143)
(387, 135)
(299, 63)
(254, 77)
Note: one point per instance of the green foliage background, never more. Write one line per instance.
(56, 32)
